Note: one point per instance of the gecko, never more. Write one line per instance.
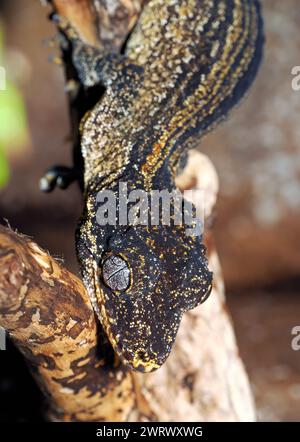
(185, 65)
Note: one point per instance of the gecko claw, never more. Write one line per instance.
(58, 176)
(47, 183)
(56, 18)
(51, 42)
(55, 60)
(72, 87)
(64, 26)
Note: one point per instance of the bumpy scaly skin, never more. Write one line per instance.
(187, 63)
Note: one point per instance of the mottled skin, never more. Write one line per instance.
(186, 64)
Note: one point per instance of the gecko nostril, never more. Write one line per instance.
(116, 273)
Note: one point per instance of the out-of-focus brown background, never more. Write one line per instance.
(257, 155)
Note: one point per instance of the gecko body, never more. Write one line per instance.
(186, 64)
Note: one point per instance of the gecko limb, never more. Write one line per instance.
(94, 65)
(58, 176)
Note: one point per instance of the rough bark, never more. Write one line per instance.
(104, 23)
(47, 313)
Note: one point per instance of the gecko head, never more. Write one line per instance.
(141, 279)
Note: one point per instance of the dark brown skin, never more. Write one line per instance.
(185, 66)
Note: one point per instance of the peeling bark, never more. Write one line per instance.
(103, 23)
(48, 315)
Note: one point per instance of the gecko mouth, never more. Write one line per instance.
(145, 363)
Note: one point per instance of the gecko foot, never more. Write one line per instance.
(64, 25)
(58, 176)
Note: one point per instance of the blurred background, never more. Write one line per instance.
(257, 156)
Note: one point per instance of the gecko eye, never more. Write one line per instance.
(116, 273)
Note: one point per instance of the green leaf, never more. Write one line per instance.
(13, 122)
(4, 169)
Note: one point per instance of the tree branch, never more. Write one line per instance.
(48, 315)
(101, 22)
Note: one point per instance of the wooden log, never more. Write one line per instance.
(48, 314)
